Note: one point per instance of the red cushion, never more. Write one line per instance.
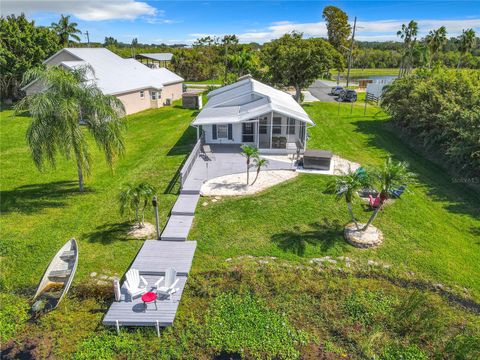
(149, 296)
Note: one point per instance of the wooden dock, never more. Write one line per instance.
(151, 261)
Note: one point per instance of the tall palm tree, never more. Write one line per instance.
(136, 198)
(347, 187)
(435, 41)
(250, 152)
(467, 42)
(389, 176)
(66, 30)
(56, 113)
(408, 33)
(259, 163)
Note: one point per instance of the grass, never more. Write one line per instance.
(432, 231)
(359, 73)
(40, 211)
(351, 312)
(206, 82)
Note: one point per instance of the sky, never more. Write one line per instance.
(259, 21)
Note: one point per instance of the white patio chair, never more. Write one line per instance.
(169, 282)
(135, 284)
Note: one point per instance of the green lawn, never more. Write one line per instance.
(432, 231)
(358, 73)
(40, 211)
(352, 313)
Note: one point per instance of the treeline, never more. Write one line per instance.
(441, 107)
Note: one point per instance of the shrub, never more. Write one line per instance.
(245, 326)
(441, 107)
(13, 316)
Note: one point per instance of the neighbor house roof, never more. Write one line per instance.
(114, 74)
(158, 56)
(247, 99)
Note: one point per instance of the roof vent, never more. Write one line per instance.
(248, 76)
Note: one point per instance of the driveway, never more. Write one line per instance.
(321, 89)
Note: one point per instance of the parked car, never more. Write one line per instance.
(336, 90)
(348, 95)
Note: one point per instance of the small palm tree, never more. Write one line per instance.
(466, 43)
(66, 30)
(389, 176)
(249, 152)
(135, 198)
(347, 187)
(259, 162)
(56, 113)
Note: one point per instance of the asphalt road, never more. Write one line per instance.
(321, 90)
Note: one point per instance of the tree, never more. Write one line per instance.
(408, 33)
(228, 41)
(66, 30)
(56, 113)
(249, 152)
(135, 198)
(435, 41)
(110, 41)
(259, 162)
(242, 63)
(389, 176)
(23, 46)
(338, 28)
(297, 62)
(466, 43)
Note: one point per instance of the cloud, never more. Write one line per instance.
(378, 30)
(89, 10)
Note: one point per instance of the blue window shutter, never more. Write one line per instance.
(214, 132)
(230, 132)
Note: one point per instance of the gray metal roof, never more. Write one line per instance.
(247, 99)
(158, 56)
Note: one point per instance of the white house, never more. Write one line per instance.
(136, 85)
(249, 112)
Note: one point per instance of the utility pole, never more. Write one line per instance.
(88, 37)
(351, 50)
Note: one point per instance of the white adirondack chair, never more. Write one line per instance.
(169, 282)
(135, 284)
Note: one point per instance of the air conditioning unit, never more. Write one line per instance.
(168, 102)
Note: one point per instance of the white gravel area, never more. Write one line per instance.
(235, 184)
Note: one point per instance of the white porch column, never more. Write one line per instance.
(271, 129)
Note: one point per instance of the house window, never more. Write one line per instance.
(222, 131)
(142, 94)
(277, 125)
(153, 95)
(291, 126)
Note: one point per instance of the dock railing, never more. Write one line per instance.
(187, 167)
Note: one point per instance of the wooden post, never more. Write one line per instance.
(118, 327)
(158, 328)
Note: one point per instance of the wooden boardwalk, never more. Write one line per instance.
(152, 260)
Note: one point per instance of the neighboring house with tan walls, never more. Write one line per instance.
(137, 86)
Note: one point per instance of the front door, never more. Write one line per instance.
(248, 132)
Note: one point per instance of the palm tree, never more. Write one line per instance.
(56, 113)
(435, 41)
(249, 152)
(408, 33)
(242, 62)
(66, 30)
(389, 176)
(347, 187)
(467, 42)
(259, 162)
(136, 198)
